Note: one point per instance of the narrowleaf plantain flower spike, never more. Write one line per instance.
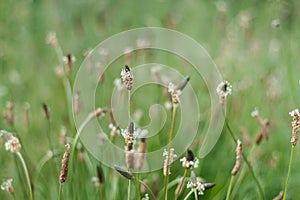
(296, 125)
(176, 91)
(7, 185)
(100, 174)
(12, 144)
(65, 165)
(127, 77)
(239, 158)
(223, 89)
(46, 111)
(279, 196)
(189, 161)
(141, 154)
(168, 160)
(68, 60)
(98, 112)
(195, 185)
(123, 172)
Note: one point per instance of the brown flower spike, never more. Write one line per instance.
(296, 125)
(239, 158)
(65, 165)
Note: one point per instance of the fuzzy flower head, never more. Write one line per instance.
(131, 133)
(196, 185)
(13, 144)
(170, 155)
(224, 89)
(189, 161)
(7, 185)
(127, 77)
(296, 125)
(176, 90)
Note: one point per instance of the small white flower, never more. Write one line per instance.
(7, 185)
(224, 88)
(13, 144)
(168, 160)
(189, 163)
(294, 112)
(255, 113)
(196, 185)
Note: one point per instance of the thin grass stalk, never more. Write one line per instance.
(181, 184)
(289, 172)
(66, 83)
(261, 193)
(146, 186)
(128, 189)
(196, 196)
(229, 188)
(169, 144)
(60, 191)
(26, 174)
(189, 194)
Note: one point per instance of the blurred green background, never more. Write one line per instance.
(255, 45)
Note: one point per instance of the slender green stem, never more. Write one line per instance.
(146, 186)
(137, 186)
(169, 146)
(59, 191)
(289, 172)
(66, 82)
(196, 196)
(189, 194)
(128, 190)
(242, 174)
(245, 159)
(101, 191)
(26, 174)
(180, 186)
(229, 187)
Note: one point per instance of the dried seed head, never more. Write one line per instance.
(224, 89)
(127, 77)
(296, 125)
(12, 144)
(279, 196)
(100, 174)
(123, 172)
(65, 165)
(239, 158)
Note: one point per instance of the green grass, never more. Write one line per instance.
(260, 61)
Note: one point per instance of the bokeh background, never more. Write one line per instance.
(253, 43)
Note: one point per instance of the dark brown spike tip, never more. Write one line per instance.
(127, 69)
(123, 172)
(209, 185)
(190, 155)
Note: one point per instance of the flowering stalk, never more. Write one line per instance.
(26, 174)
(236, 167)
(295, 125)
(224, 89)
(52, 40)
(169, 151)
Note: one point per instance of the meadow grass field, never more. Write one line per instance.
(254, 45)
